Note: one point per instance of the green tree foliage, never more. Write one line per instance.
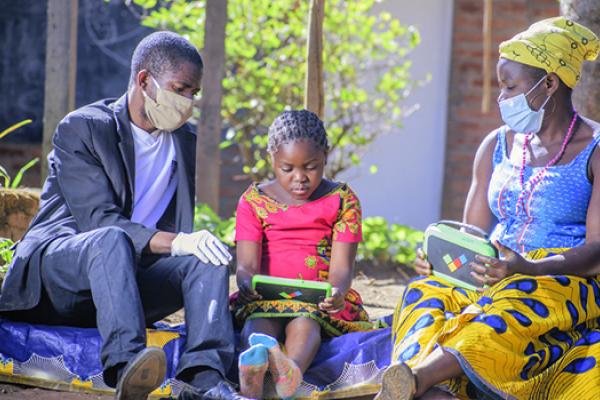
(265, 70)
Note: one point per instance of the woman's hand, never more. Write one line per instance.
(421, 265)
(335, 303)
(246, 294)
(493, 270)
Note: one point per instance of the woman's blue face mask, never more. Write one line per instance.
(518, 115)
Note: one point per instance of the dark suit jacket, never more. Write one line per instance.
(89, 186)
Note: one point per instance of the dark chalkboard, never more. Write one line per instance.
(107, 34)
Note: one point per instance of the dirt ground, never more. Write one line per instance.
(17, 392)
(380, 289)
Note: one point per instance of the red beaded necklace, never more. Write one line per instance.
(538, 177)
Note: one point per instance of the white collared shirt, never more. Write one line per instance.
(155, 177)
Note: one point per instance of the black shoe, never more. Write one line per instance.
(144, 373)
(222, 391)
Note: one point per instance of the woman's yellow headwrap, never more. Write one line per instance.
(556, 45)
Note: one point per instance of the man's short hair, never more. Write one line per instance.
(162, 51)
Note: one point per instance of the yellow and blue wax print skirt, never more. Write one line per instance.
(524, 338)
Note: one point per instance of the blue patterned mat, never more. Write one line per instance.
(66, 358)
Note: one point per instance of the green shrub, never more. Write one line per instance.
(223, 228)
(6, 254)
(385, 243)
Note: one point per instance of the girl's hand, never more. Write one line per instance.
(492, 270)
(335, 303)
(421, 265)
(247, 294)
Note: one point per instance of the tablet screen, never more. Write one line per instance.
(291, 289)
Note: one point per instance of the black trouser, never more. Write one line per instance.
(92, 279)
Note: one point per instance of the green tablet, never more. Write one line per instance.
(272, 288)
(450, 246)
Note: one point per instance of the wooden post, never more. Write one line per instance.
(61, 68)
(314, 97)
(208, 154)
(487, 54)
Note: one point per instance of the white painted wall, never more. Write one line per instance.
(407, 189)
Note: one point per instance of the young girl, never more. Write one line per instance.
(298, 226)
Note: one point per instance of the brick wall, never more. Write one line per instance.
(467, 125)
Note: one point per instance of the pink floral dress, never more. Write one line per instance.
(296, 243)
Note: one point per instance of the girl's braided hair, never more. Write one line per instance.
(291, 126)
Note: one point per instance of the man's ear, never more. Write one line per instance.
(142, 79)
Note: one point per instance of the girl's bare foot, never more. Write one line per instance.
(253, 364)
(285, 372)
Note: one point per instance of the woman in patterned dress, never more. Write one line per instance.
(534, 332)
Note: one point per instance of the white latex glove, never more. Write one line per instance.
(203, 245)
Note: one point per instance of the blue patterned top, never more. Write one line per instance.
(557, 209)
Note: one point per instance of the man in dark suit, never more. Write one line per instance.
(111, 245)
